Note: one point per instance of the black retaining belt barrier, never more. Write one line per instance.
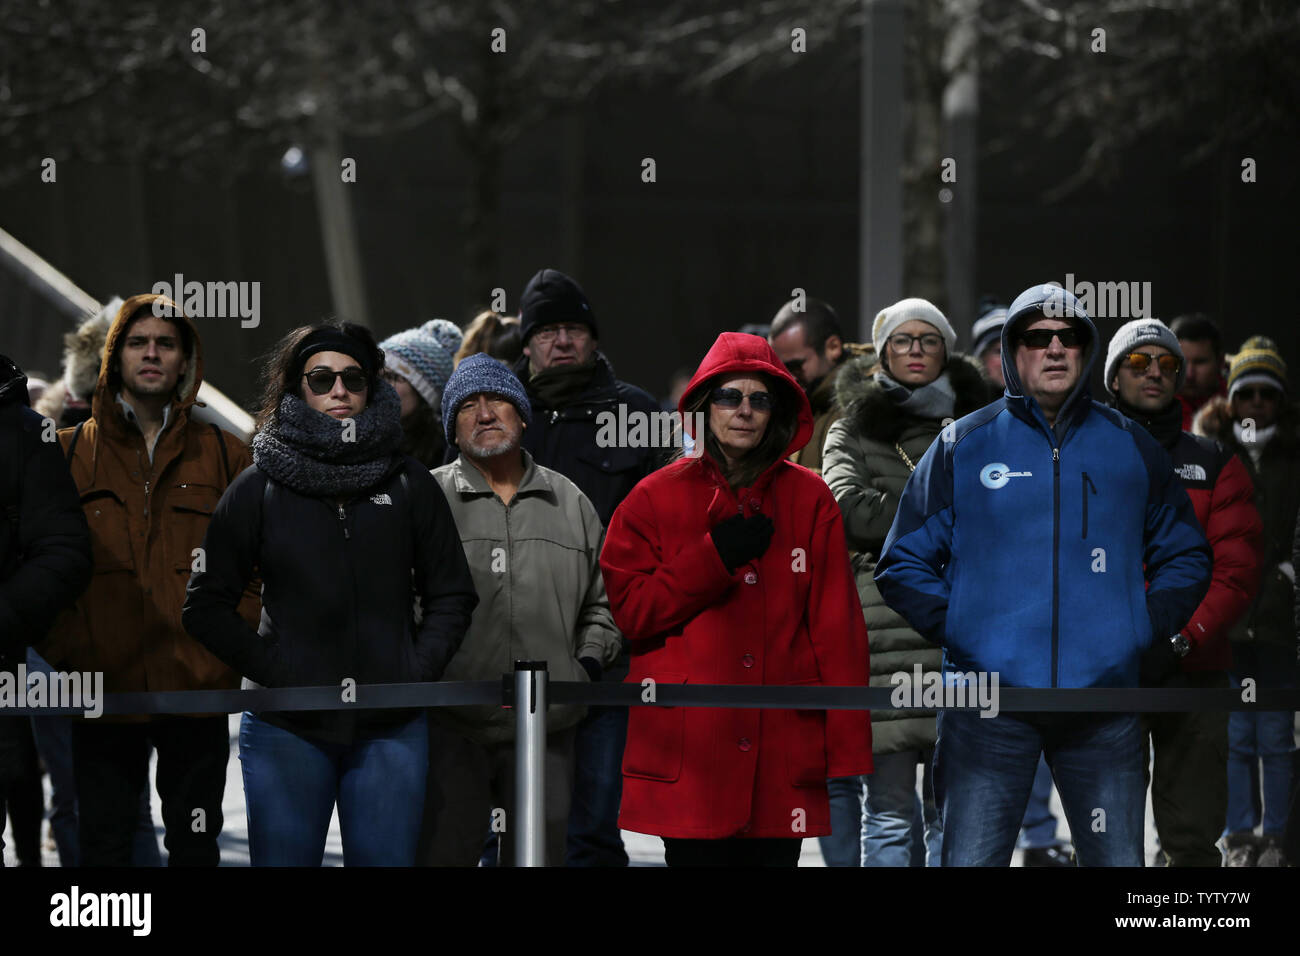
(802, 697)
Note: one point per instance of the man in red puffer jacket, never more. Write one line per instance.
(1144, 369)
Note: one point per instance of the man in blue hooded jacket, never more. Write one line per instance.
(1047, 540)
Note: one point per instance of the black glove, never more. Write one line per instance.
(1159, 663)
(740, 539)
(591, 666)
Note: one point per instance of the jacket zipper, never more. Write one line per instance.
(356, 628)
(1056, 557)
(510, 591)
(1088, 489)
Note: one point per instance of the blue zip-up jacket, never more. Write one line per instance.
(1052, 556)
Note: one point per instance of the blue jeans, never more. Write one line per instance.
(1260, 740)
(894, 817)
(984, 772)
(291, 785)
(844, 846)
(594, 838)
(54, 743)
(1038, 828)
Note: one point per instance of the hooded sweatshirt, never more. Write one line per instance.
(791, 616)
(1020, 546)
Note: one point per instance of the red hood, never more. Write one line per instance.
(737, 353)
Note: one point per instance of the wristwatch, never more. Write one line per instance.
(1182, 646)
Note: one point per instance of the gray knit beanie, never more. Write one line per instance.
(481, 373)
(424, 356)
(1133, 335)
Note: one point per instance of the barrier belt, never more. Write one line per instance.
(747, 696)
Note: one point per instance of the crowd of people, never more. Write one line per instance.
(441, 503)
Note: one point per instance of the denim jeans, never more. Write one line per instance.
(1038, 828)
(1255, 740)
(894, 817)
(291, 784)
(1260, 740)
(54, 743)
(984, 772)
(594, 837)
(844, 846)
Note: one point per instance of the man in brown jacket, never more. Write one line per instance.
(149, 478)
(806, 337)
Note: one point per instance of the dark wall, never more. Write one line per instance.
(756, 193)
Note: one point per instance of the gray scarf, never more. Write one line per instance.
(935, 400)
(305, 449)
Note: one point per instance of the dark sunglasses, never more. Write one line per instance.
(732, 397)
(1141, 361)
(1042, 338)
(1248, 392)
(321, 380)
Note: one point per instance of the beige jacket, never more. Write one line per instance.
(536, 568)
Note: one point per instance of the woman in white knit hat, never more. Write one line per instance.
(893, 411)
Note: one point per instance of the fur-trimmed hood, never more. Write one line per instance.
(875, 415)
(83, 353)
(1214, 420)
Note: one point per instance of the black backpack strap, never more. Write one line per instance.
(76, 434)
(225, 455)
(14, 508)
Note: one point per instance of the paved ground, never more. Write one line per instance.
(643, 850)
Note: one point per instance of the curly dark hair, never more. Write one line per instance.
(281, 372)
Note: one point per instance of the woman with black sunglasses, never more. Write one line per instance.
(731, 568)
(346, 533)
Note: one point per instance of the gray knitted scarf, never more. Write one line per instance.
(306, 449)
(935, 400)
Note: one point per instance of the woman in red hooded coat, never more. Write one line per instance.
(731, 568)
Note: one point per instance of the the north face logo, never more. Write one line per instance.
(1190, 472)
(381, 500)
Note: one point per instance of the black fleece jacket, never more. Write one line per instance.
(339, 585)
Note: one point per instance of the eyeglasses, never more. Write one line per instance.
(732, 397)
(548, 333)
(1140, 361)
(1249, 392)
(1042, 338)
(902, 343)
(321, 380)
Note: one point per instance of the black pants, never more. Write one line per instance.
(1189, 791)
(737, 851)
(21, 793)
(111, 766)
(469, 782)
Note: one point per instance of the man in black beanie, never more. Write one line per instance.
(570, 383)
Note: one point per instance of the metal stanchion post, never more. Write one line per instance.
(530, 755)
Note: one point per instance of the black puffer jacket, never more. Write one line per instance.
(564, 439)
(337, 596)
(45, 559)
